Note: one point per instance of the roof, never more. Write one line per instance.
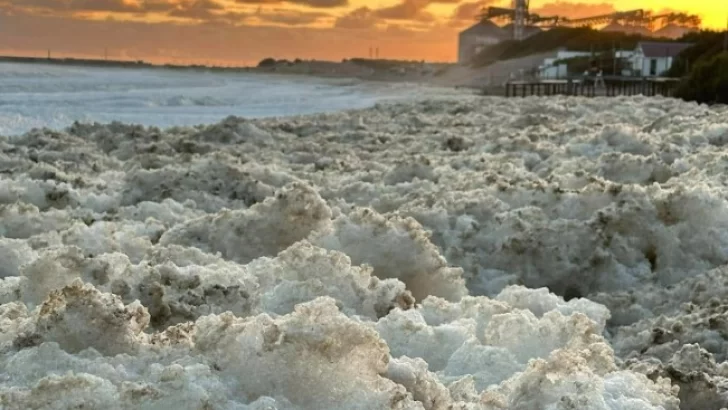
(613, 26)
(654, 49)
(636, 29)
(673, 30)
(485, 28)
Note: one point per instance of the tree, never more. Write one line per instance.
(267, 62)
(707, 81)
(706, 44)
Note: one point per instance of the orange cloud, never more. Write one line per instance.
(244, 31)
(574, 9)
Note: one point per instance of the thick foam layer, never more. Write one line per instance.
(469, 253)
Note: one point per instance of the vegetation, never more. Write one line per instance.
(76, 61)
(267, 63)
(572, 39)
(707, 81)
(381, 64)
(703, 68)
(706, 45)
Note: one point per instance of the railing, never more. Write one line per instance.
(592, 87)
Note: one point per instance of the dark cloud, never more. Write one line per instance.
(361, 18)
(198, 10)
(321, 4)
(113, 6)
(201, 11)
(118, 6)
(411, 10)
(574, 9)
(290, 17)
(471, 10)
(151, 6)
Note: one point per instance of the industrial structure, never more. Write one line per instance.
(477, 37)
(638, 20)
(518, 23)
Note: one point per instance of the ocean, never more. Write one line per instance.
(52, 96)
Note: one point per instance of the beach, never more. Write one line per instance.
(55, 96)
(426, 249)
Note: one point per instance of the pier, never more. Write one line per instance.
(607, 87)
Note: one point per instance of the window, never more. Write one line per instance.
(653, 66)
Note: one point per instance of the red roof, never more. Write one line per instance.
(656, 49)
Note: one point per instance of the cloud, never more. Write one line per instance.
(321, 4)
(411, 10)
(217, 43)
(157, 5)
(406, 10)
(118, 6)
(361, 18)
(294, 18)
(574, 9)
(113, 6)
(471, 10)
(198, 10)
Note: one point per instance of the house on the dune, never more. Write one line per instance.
(653, 58)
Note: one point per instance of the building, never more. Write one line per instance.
(652, 58)
(528, 31)
(551, 70)
(476, 38)
(636, 29)
(613, 27)
(673, 31)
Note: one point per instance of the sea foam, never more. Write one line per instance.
(453, 253)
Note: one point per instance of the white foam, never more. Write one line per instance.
(38, 96)
(466, 253)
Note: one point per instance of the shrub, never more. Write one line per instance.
(707, 81)
(267, 62)
(706, 45)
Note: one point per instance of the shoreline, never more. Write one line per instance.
(167, 108)
(379, 71)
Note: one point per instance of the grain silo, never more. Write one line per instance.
(477, 37)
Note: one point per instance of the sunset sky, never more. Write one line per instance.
(245, 31)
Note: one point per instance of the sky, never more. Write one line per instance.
(234, 32)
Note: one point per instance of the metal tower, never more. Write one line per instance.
(520, 15)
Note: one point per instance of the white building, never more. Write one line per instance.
(477, 38)
(551, 70)
(651, 59)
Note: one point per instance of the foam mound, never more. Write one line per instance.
(463, 254)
